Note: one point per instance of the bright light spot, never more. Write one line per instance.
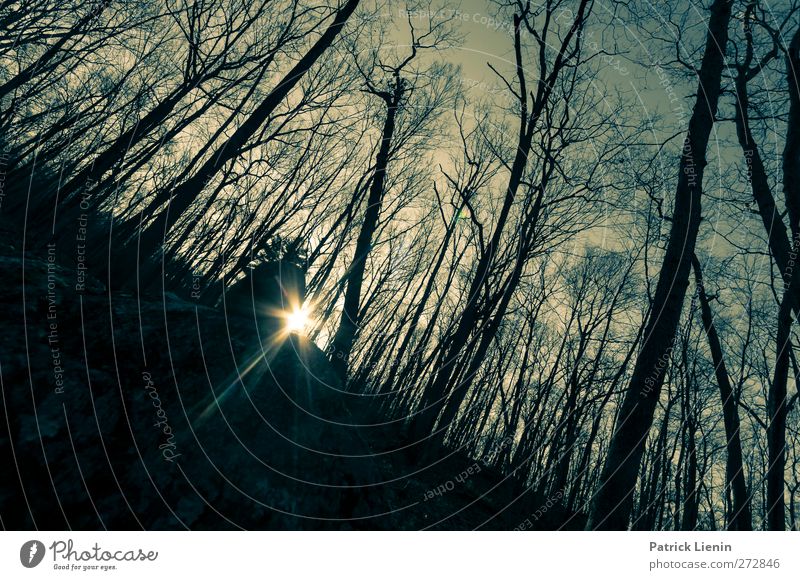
(298, 320)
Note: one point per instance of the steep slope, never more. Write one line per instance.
(162, 414)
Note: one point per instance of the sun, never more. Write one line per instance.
(298, 320)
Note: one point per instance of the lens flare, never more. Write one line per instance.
(298, 320)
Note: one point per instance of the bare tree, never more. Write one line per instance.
(399, 90)
(613, 500)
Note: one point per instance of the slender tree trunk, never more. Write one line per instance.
(613, 499)
(785, 254)
(779, 244)
(348, 325)
(691, 502)
(458, 384)
(776, 398)
(740, 518)
(436, 399)
(568, 425)
(435, 393)
(777, 412)
(426, 293)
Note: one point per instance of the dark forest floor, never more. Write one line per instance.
(109, 405)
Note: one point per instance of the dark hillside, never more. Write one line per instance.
(163, 414)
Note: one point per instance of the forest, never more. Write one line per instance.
(524, 264)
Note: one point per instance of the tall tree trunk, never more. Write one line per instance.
(778, 239)
(691, 502)
(776, 398)
(740, 517)
(569, 427)
(777, 412)
(351, 311)
(613, 499)
(783, 251)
